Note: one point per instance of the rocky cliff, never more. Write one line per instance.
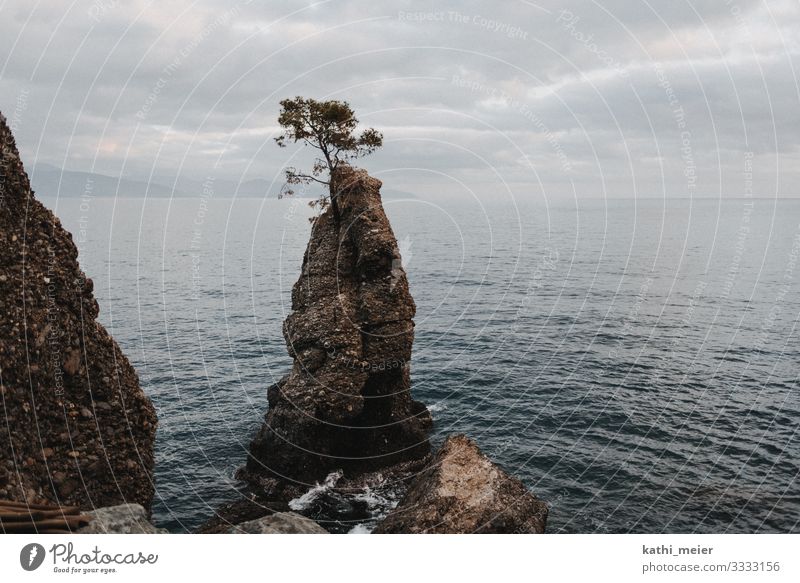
(77, 429)
(346, 404)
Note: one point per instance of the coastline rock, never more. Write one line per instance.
(279, 523)
(121, 519)
(346, 404)
(78, 429)
(242, 509)
(461, 492)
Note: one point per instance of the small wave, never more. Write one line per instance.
(306, 500)
(345, 510)
(437, 407)
(380, 501)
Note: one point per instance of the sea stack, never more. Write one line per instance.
(77, 430)
(346, 404)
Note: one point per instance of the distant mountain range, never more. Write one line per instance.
(50, 181)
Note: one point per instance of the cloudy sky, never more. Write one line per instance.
(545, 99)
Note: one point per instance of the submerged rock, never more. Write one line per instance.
(347, 402)
(279, 523)
(121, 519)
(461, 492)
(77, 430)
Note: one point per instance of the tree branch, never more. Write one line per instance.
(309, 177)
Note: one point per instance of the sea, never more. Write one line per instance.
(633, 361)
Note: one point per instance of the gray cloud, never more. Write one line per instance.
(592, 96)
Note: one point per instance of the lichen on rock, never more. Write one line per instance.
(278, 523)
(120, 519)
(463, 491)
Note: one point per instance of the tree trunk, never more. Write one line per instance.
(333, 193)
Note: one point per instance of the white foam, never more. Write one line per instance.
(304, 501)
(360, 529)
(380, 502)
(436, 407)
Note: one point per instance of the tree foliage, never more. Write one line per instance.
(330, 128)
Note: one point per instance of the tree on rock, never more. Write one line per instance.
(328, 126)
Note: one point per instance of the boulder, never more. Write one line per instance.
(346, 404)
(77, 428)
(279, 523)
(121, 519)
(461, 492)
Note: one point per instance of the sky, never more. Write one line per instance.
(613, 98)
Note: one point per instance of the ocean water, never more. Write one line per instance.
(634, 362)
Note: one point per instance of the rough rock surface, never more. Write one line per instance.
(346, 403)
(461, 492)
(77, 429)
(279, 523)
(121, 519)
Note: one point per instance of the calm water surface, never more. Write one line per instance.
(635, 363)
